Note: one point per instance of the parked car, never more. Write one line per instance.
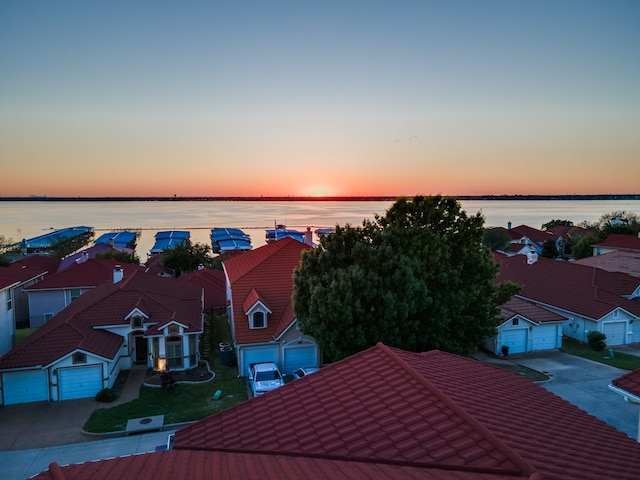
(264, 377)
(302, 372)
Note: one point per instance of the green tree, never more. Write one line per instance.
(582, 247)
(185, 257)
(416, 278)
(557, 223)
(619, 221)
(495, 238)
(120, 256)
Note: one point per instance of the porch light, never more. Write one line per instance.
(162, 364)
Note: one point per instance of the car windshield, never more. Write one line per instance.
(266, 376)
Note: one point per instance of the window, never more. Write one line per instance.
(258, 320)
(174, 352)
(136, 322)
(515, 322)
(79, 357)
(47, 317)
(74, 293)
(174, 329)
(9, 300)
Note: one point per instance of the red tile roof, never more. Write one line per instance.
(533, 234)
(163, 300)
(195, 465)
(268, 270)
(629, 382)
(620, 241)
(214, 284)
(528, 310)
(27, 268)
(90, 273)
(616, 261)
(433, 411)
(566, 285)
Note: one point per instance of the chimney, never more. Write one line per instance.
(112, 242)
(117, 274)
(308, 237)
(200, 266)
(532, 257)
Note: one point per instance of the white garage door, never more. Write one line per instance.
(616, 333)
(298, 357)
(23, 387)
(257, 355)
(81, 382)
(545, 337)
(516, 340)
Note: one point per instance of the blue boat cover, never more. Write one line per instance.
(53, 238)
(120, 239)
(169, 239)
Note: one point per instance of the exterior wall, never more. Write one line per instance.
(7, 325)
(43, 302)
(494, 344)
(158, 350)
(578, 326)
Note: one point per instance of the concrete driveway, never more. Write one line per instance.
(584, 384)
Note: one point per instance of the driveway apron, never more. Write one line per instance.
(585, 384)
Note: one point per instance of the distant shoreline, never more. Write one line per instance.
(34, 198)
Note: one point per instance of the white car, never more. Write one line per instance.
(302, 372)
(264, 377)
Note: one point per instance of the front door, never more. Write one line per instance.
(142, 350)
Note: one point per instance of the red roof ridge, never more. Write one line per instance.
(480, 428)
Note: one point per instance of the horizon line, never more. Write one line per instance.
(310, 198)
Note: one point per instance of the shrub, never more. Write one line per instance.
(597, 340)
(106, 395)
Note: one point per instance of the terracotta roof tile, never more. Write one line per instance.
(269, 271)
(165, 299)
(528, 310)
(616, 261)
(214, 284)
(621, 241)
(432, 410)
(569, 286)
(195, 465)
(629, 382)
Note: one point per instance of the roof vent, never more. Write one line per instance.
(118, 274)
(532, 257)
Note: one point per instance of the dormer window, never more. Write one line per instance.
(136, 322)
(258, 320)
(173, 329)
(515, 322)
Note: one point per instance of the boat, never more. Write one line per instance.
(169, 239)
(324, 231)
(122, 239)
(58, 242)
(281, 231)
(229, 239)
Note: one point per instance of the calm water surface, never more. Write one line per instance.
(20, 220)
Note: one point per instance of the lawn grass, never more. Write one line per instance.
(188, 402)
(23, 333)
(581, 349)
(529, 373)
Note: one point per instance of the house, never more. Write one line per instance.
(590, 298)
(56, 291)
(529, 236)
(628, 385)
(213, 282)
(264, 328)
(617, 242)
(138, 318)
(525, 327)
(616, 261)
(14, 306)
(386, 413)
(91, 252)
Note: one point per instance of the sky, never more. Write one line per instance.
(338, 98)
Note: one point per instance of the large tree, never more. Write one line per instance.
(185, 257)
(416, 278)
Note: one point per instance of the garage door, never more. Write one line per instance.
(23, 387)
(298, 357)
(257, 355)
(79, 382)
(516, 340)
(545, 337)
(616, 333)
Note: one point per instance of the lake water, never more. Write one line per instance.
(27, 219)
